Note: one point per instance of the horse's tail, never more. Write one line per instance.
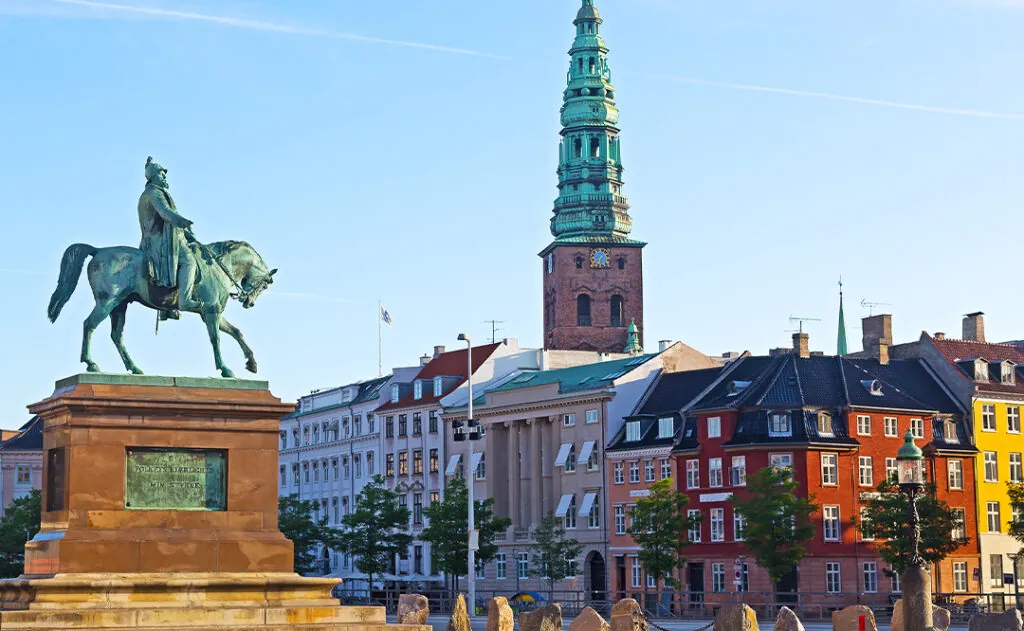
(70, 270)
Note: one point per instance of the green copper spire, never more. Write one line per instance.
(590, 205)
(841, 348)
(632, 336)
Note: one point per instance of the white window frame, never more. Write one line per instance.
(666, 427)
(632, 431)
(955, 474)
(833, 577)
(570, 460)
(417, 389)
(500, 566)
(866, 471)
(988, 417)
(993, 474)
(635, 572)
(618, 471)
(568, 420)
(780, 425)
(738, 471)
(863, 425)
(714, 427)
(717, 525)
(620, 519)
(649, 475)
(1016, 468)
(917, 428)
(439, 388)
(831, 526)
(693, 474)
(775, 460)
(959, 532)
(693, 534)
(523, 565)
(1013, 419)
(870, 573)
(634, 472)
(829, 469)
(863, 515)
(717, 578)
(666, 468)
(892, 471)
(715, 477)
(959, 576)
(592, 416)
(993, 518)
(739, 526)
(825, 424)
(891, 426)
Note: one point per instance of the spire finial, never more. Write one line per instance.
(841, 348)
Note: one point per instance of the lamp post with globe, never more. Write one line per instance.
(916, 581)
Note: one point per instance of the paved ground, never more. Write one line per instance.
(441, 623)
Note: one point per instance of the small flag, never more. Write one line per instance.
(385, 316)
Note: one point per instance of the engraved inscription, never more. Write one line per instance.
(175, 479)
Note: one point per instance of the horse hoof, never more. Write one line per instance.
(226, 373)
(91, 367)
(251, 366)
(136, 371)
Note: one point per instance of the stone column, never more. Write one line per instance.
(514, 506)
(536, 501)
(917, 598)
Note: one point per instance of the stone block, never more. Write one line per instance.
(627, 616)
(736, 617)
(1006, 621)
(413, 609)
(543, 619)
(940, 618)
(460, 616)
(499, 615)
(589, 620)
(848, 619)
(787, 621)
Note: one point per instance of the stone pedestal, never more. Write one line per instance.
(160, 512)
(916, 583)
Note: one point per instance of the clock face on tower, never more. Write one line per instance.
(599, 257)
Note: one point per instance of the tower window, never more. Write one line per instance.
(581, 65)
(577, 148)
(579, 262)
(595, 147)
(618, 317)
(583, 310)
(621, 262)
(590, 27)
(593, 65)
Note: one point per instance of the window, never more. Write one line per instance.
(570, 460)
(781, 461)
(618, 316)
(833, 579)
(648, 471)
(582, 306)
(417, 462)
(570, 513)
(956, 474)
(621, 262)
(991, 466)
(693, 474)
(1016, 472)
(917, 427)
(895, 580)
(499, 566)
(830, 469)
(632, 431)
(634, 472)
(432, 416)
(334, 506)
(617, 470)
(714, 427)
(389, 426)
(403, 425)
(949, 431)
(481, 467)
(334, 468)
(579, 154)
(1006, 373)
(371, 423)
(980, 370)
(403, 463)
(870, 577)
(591, 416)
(718, 524)
(666, 468)
(995, 569)
(284, 477)
(481, 571)
(988, 418)
(994, 522)
(435, 461)
(316, 472)
(523, 565)
(417, 390)
(357, 465)
(891, 426)
(620, 520)
(635, 571)
(864, 517)
(369, 464)
(389, 465)
(739, 526)
(824, 424)
(866, 471)
(744, 585)
(738, 472)
(1013, 419)
(417, 424)
(394, 393)
(715, 472)
(417, 508)
(960, 576)
(779, 425)
(693, 534)
(718, 577)
(830, 516)
(665, 427)
(959, 531)
(435, 496)
(568, 420)
(891, 472)
(594, 517)
(863, 425)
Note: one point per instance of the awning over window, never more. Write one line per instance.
(477, 457)
(563, 505)
(588, 448)
(563, 454)
(453, 462)
(588, 503)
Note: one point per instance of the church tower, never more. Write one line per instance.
(593, 272)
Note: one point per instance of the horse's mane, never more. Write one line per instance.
(220, 248)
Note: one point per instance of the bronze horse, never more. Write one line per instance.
(228, 269)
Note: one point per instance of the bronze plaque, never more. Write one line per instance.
(175, 479)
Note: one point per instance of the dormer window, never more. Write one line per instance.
(632, 431)
(873, 386)
(417, 390)
(666, 427)
(980, 370)
(825, 424)
(736, 387)
(780, 424)
(394, 393)
(1006, 373)
(438, 385)
(949, 431)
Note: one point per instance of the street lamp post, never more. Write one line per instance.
(472, 432)
(1015, 558)
(916, 582)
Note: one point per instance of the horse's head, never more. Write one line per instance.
(247, 269)
(254, 284)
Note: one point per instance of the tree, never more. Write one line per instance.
(885, 518)
(778, 522)
(659, 527)
(295, 520)
(19, 524)
(555, 554)
(1016, 493)
(372, 532)
(448, 529)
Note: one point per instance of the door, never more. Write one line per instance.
(620, 577)
(696, 582)
(787, 587)
(596, 572)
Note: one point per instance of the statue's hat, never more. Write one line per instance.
(152, 168)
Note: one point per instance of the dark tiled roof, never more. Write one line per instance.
(30, 438)
(674, 390)
(370, 389)
(648, 433)
(450, 364)
(754, 371)
(958, 350)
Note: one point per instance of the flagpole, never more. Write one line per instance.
(380, 338)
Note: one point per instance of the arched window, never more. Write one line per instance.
(593, 65)
(579, 262)
(595, 147)
(621, 261)
(583, 310)
(577, 148)
(581, 65)
(618, 317)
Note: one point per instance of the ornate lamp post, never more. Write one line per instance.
(472, 431)
(916, 581)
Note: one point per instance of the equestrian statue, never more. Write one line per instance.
(170, 272)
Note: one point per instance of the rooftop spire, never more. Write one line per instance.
(841, 348)
(633, 346)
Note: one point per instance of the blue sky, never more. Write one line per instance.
(405, 152)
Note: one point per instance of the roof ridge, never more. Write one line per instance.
(775, 378)
(842, 379)
(799, 383)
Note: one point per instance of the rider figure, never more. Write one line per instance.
(165, 239)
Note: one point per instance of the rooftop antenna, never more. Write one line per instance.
(494, 328)
(871, 305)
(800, 322)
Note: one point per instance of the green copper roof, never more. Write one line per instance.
(590, 203)
(841, 348)
(633, 339)
(576, 378)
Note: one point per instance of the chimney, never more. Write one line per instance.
(939, 335)
(776, 352)
(801, 345)
(974, 327)
(424, 360)
(876, 329)
(663, 345)
(881, 353)
(438, 350)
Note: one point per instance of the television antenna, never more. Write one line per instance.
(800, 323)
(494, 328)
(871, 305)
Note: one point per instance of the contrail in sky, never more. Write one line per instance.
(270, 26)
(836, 97)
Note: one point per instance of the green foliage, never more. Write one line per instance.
(659, 526)
(295, 520)
(372, 532)
(555, 555)
(778, 522)
(886, 519)
(20, 523)
(1016, 493)
(448, 529)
